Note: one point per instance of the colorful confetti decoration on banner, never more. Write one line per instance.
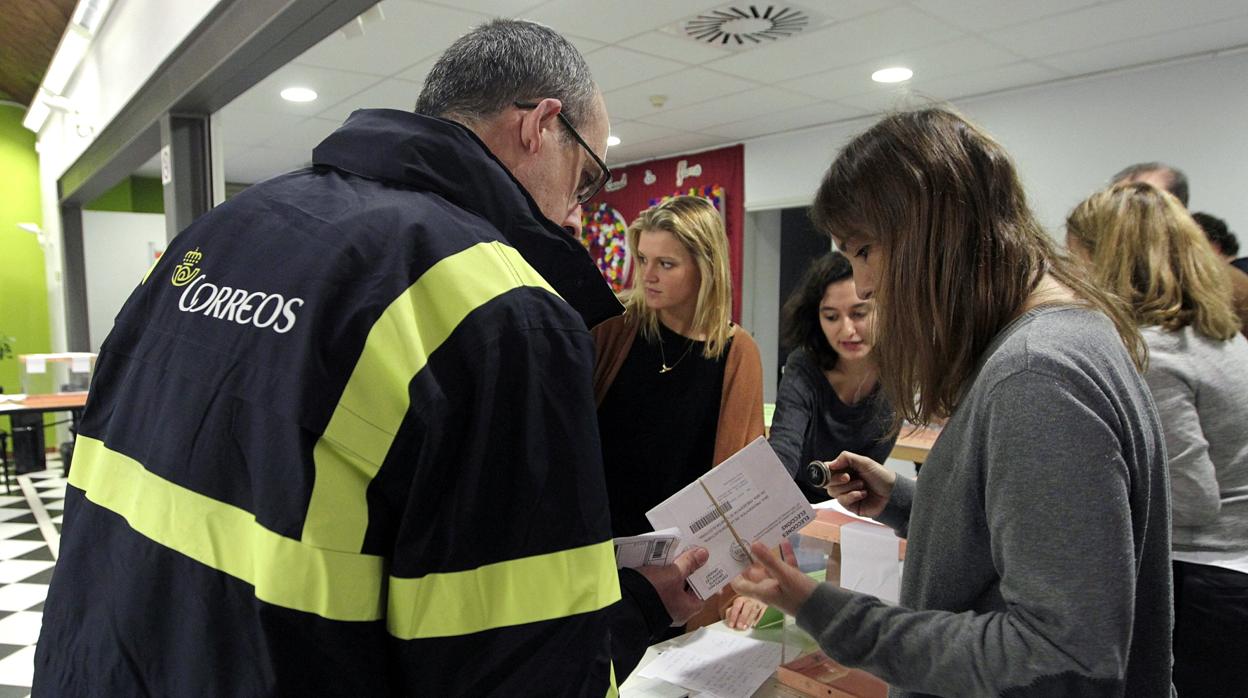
(603, 233)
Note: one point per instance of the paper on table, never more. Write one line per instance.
(655, 548)
(80, 363)
(36, 364)
(869, 563)
(717, 663)
(756, 495)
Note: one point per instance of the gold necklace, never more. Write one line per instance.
(663, 357)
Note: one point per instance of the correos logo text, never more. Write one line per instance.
(263, 310)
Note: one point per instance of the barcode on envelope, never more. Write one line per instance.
(702, 522)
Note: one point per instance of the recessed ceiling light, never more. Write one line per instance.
(897, 74)
(613, 140)
(298, 94)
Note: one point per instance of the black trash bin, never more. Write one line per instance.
(28, 444)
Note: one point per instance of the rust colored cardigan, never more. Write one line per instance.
(740, 408)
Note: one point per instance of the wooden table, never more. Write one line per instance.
(52, 402)
(914, 444)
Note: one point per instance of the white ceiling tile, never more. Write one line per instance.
(1178, 42)
(786, 120)
(419, 31)
(1112, 22)
(387, 94)
(615, 67)
(682, 89)
(238, 127)
(417, 73)
(665, 45)
(492, 8)
(917, 94)
(982, 15)
(304, 136)
(612, 20)
(251, 164)
(725, 110)
(584, 45)
(665, 147)
(960, 56)
(332, 86)
(635, 132)
(985, 81)
(841, 44)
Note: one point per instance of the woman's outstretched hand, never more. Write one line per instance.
(860, 484)
(774, 581)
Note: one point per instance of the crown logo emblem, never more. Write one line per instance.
(186, 272)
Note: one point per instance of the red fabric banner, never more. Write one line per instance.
(718, 175)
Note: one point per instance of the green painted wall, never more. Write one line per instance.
(24, 324)
(132, 195)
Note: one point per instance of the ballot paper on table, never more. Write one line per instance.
(716, 664)
(748, 498)
(656, 548)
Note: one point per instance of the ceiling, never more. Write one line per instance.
(715, 96)
(29, 33)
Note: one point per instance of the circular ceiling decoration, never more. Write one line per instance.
(746, 26)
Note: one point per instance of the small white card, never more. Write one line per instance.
(757, 497)
(36, 364)
(656, 548)
(869, 563)
(80, 363)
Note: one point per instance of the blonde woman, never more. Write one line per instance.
(679, 386)
(1038, 547)
(1141, 244)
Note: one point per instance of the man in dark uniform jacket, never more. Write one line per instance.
(341, 440)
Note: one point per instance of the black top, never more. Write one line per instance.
(658, 429)
(811, 422)
(1241, 264)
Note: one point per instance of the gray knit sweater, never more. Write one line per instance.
(1039, 533)
(1201, 389)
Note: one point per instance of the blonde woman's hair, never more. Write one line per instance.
(698, 226)
(1145, 247)
(940, 201)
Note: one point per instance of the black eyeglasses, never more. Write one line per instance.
(587, 189)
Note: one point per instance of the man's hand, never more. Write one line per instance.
(669, 581)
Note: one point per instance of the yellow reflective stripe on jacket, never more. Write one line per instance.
(527, 590)
(612, 691)
(375, 400)
(285, 572)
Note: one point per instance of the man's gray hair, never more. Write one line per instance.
(505, 61)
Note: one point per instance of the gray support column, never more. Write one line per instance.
(186, 169)
(74, 279)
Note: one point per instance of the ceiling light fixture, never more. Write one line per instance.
(897, 74)
(298, 94)
(613, 141)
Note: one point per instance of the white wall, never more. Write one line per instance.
(119, 249)
(760, 291)
(1069, 138)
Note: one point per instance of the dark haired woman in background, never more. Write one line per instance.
(1038, 538)
(829, 399)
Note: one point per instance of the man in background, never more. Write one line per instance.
(342, 439)
(1172, 179)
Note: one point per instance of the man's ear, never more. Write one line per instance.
(539, 124)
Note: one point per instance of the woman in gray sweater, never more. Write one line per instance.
(1141, 244)
(1038, 561)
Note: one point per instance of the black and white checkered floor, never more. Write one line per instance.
(30, 535)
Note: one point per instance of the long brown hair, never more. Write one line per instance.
(1145, 247)
(962, 252)
(698, 226)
